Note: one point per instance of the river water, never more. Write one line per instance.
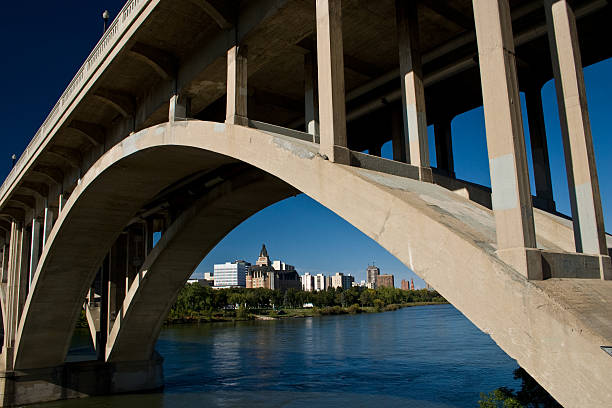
(427, 356)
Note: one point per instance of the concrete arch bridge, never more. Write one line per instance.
(154, 135)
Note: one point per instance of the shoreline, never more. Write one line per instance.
(293, 313)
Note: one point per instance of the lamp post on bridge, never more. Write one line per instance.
(105, 17)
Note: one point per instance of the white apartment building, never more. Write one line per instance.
(307, 282)
(231, 274)
(319, 282)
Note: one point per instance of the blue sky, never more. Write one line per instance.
(44, 44)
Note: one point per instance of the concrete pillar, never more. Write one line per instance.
(397, 138)
(375, 150)
(62, 202)
(116, 279)
(413, 91)
(330, 67)
(5, 261)
(104, 307)
(34, 247)
(539, 149)
(582, 178)
(311, 96)
(48, 220)
(444, 147)
(236, 113)
(11, 296)
(180, 108)
(511, 196)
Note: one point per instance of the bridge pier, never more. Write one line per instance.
(79, 380)
(583, 183)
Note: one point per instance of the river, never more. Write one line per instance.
(428, 356)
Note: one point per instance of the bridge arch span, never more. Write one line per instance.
(446, 239)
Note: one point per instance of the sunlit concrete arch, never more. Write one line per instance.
(446, 239)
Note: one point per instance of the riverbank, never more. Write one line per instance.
(287, 313)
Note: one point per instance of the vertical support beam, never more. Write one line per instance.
(24, 269)
(34, 247)
(5, 261)
(10, 325)
(62, 203)
(511, 194)
(397, 138)
(444, 147)
(180, 108)
(375, 150)
(539, 149)
(330, 67)
(148, 236)
(582, 178)
(311, 96)
(236, 112)
(104, 307)
(47, 222)
(117, 279)
(413, 90)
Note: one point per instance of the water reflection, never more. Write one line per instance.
(416, 357)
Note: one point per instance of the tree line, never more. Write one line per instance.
(194, 298)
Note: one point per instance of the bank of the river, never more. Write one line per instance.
(286, 313)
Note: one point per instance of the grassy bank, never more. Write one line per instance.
(286, 313)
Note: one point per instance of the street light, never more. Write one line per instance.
(105, 17)
(14, 158)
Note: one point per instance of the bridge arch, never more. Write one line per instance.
(446, 239)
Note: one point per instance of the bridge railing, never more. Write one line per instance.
(128, 14)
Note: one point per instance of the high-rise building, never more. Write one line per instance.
(340, 280)
(319, 282)
(405, 285)
(371, 274)
(411, 284)
(307, 282)
(231, 274)
(264, 259)
(385, 281)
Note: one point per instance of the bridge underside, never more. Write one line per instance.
(553, 328)
(153, 135)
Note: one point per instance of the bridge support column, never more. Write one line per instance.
(311, 96)
(413, 90)
(180, 108)
(511, 196)
(397, 137)
(79, 380)
(444, 147)
(237, 92)
(47, 223)
(539, 149)
(585, 200)
(34, 247)
(117, 278)
(330, 67)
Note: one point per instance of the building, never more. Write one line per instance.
(319, 282)
(307, 282)
(412, 284)
(405, 285)
(340, 280)
(231, 274)
(385, 281)
(371, 274)
(272, 275)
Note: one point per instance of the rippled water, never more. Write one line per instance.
(428, 356)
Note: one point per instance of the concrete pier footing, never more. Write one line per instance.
(79, 380)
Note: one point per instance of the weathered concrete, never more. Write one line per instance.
(80, 380)
(447, 239)
(582, 177)
(505, 140)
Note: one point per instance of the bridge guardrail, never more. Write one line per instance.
(128, 14)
